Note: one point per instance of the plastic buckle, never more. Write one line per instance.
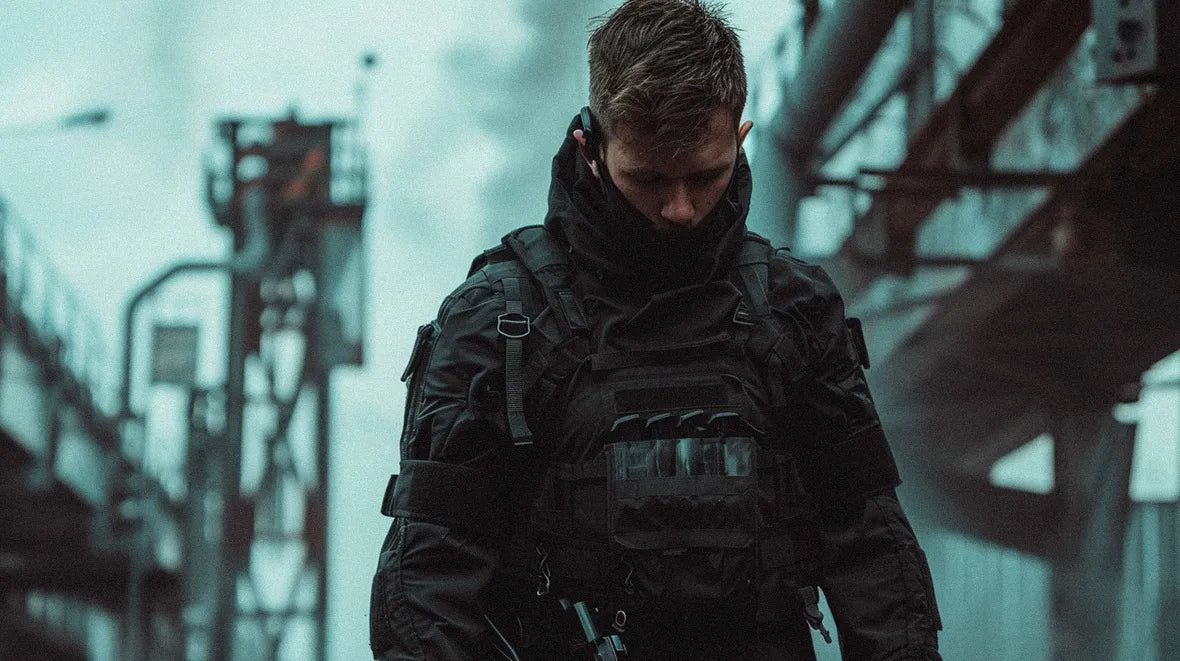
(513, 325)
(742, 316)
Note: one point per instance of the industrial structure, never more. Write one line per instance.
(991, 183)
(993, 186)
(109, 552)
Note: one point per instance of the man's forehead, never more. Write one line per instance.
(711, 141)
(683, 159)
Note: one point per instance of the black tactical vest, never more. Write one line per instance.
(655, 476)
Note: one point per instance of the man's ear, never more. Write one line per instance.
(743, 131)
(593, 163)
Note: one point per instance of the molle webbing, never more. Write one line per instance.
(643, 358)
(666, 398)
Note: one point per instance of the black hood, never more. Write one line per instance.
(613, 240)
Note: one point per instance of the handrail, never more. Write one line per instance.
(39, 302)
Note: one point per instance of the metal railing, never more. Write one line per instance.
(49, 318)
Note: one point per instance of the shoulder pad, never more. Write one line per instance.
(537, 249)
(754, 236)
(492, 255)
(532, 246)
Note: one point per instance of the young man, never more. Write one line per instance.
(639, 431)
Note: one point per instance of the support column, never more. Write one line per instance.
(1092, 465)
(317, 532)
(232, 547)
(1167, 631)
(920, 100)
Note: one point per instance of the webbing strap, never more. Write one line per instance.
(447, 495)
(387, 504)
(765, 338)
(754, 268)
(514, 326)
(546, 259)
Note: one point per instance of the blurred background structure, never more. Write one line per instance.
(256, 204)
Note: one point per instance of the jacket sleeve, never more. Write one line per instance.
(442, 548)
(871, 568)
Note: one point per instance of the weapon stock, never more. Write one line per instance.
(606, 647)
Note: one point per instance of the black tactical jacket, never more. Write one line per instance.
(449, 566)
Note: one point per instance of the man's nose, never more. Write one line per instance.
(678, 208)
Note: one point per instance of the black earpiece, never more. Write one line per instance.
(589, 134)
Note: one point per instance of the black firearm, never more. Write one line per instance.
(606, 647)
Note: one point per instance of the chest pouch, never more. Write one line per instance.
(684, 516)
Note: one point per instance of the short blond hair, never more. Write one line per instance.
(662, 67)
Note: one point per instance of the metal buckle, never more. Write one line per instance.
(513, 325)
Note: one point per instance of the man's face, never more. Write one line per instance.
(675, 191)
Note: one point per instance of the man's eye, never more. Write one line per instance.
(704, 179)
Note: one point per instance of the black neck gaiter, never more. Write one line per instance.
(662, 258)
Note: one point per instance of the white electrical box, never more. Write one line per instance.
(1136, 40)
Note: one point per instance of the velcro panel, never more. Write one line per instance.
(670, 398)
(447, 495)
(684, 538)
(574, 315)
(855, 469)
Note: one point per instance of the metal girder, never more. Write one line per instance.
(73, 571)
(1092, 469)
(22, 639)
(1134, 171)
(1035, 38)
(840, 48)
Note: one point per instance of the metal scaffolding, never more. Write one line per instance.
(1012, 284)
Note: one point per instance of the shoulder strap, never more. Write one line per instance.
(767, 331)
(514, 325)
(753, 264)
(499, 264)
(494, 255)
(529, 256)
(547, 260)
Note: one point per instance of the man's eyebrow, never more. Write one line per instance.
(641, 171)
(713, 171)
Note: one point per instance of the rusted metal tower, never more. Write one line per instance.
(293, 194)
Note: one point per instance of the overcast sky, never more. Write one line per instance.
(466, 106)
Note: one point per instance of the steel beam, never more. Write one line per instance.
(840, 47)
(1035, 38)
(1092, 469)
